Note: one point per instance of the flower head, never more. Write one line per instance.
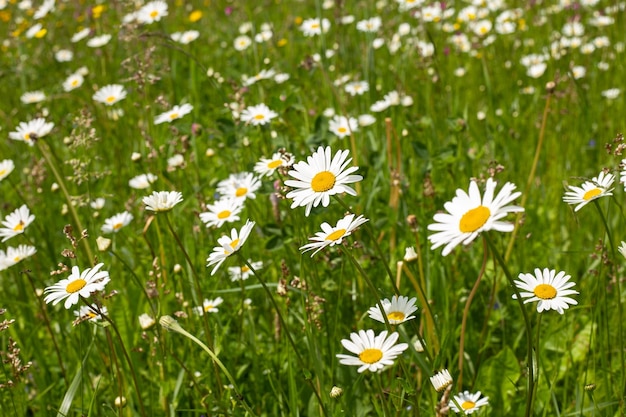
(321, 177)
(547, 287)
(152, 12)
(175, 113)
(91, 312)
(115, 223)
(6, 167)
(15, 255)
(315, 26)
(468, 402)
(16, 222)
(73, 81)
(372, 352)
(162, 200)
(257, 115)
(331, 236)
(398, 310)
(590, 190)
(208, 306)
(268, 166)
(469, 214)
(98, 41)
(241, 186)
(30, 131)
(78, 284)
(222, 211)
(142, 181)
(31, 97)
(243, 272)
(229, 245)
(110, 94)
(343, 126)
(441, 380)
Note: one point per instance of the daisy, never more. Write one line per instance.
(229, 245)
(398, 310)
(331, 236)
(176, 112)
(64, 55)
(110, 94)
(468, 402)
(369, 25)
(208, 306)
(91, 312)
(15, 255)
(321, 177)
(242, 185)
(243, 272)
(36, 31)
(31, 97)
(80, 35)
(46, 7)
(469, 215)
(115, 223)
(152, 12)
(77, 285)
(409, 4)
(142, 181)
(162, 200)
(73, 81)
(29, 132)
(266, 167)
(258, 115)
(547, 287)
(185, 37)
(242, 42)
(146, 321)
(366, 120)
(98, 41)
(16, 222)
(315, 26)
(222, 211)
(264, 74)
(6, 167)
(441, 380)
(590, 190)
(343, 126)
(357, 88)
(373, 352)
(611, 93)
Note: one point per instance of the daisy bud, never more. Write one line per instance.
(177, 268)
(135, 156)
(54, 187)
(336, 392)
(409, 254)
(103, 243)
(441, 380)
(146, 321)
(120, 402)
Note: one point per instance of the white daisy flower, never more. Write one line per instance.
(242, 185)
(6, 167)
(97, 204)
(366, 120)
(343, 126)
(590, 190)
(142, 181)
(357, 88)
(242, 42)
(370, 25)
(77, 285)
(243, 272)
(80, 35)
(46, 7)
(98, 41)
(29, 132)
(611, 93)
(91, 312)
(321, 177)
(146, 321)
(398, 310)
(208, 306)
(315, 26)
(16, 222)
(257, 115)
(64, 55)
(110, 94)
(176, 112)
(152, 12)
(331, 236)
(264, 74)
(441, 380)
(31, 97)
(115, 223)
(229, 245)
(162, 200)
(73, 81)
(373, 352)
(266, 167)
(469, 215)
(185, 37)
(547, 287)
(222, 211)
(468, 402)
(15, 255)
(36, 31)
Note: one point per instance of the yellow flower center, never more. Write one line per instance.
(41, 33)
(19, 227)
(234, 243)
(315, 26)
(17, 259)
(241, 191)
(323, 181)
(474, 219)
(223, 214)
(208, 307)
(110, 99)
(117, 226)
(594, 192)
(173, 116)
(27, 136)
(154, 14)
(545, 291)
(259, 117)
(371, 355)
(396, 315)
(2, 172)
(74, 83)
(75, 285)
(275, 163)
(467, 405)
(337, 234)
(342, 130)
(245, 269)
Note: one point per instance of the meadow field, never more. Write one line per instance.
(312, 208)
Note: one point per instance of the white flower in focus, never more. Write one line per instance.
(222, 211)
(398, 310)
(547, 287)
(110, 94)
(115, 223)
(16, 223)
(77, 285)
(266, 167)
(176, 112)
(208, 306)
(229, 245)
(29, 132)
(152, 12)
(372, 352)
(162, 200)
(590, 190)
(257, 115)
(468, 402)
(331, 236)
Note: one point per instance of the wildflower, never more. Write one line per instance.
(16, 222)
(229, 245)
(78, 284)
(398, 310)
(336, 392)
(115, 223)
(469, 215)
(370, 25)
(73, 81)
(162, 200)
(176, 112)
(611, 93)
(222, 211)
(373, 352)
(622, 249)
(242, 42)
(409, 254)
(366, 120)
(331, 236)
(98, 41)
(243, 272)
(258, 115)
(80, 35)
(152, 12)
(242, 185)
(268, 166)
(468, 402)
(36, 31)
(29, 132)
(185, 37)
(589, 190)
(547, 287)
(46, 7)
(208, 306)
(64, 55)
(15, 255)
(321, 177)
(343, 126)
(6, 167)
(441, 380)
(315, 26)
(146, 321)
(91, 312)
(31, 97)
(142, 181)
(264, 74)
(110, 94)
(357, 87)
(175, 161)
